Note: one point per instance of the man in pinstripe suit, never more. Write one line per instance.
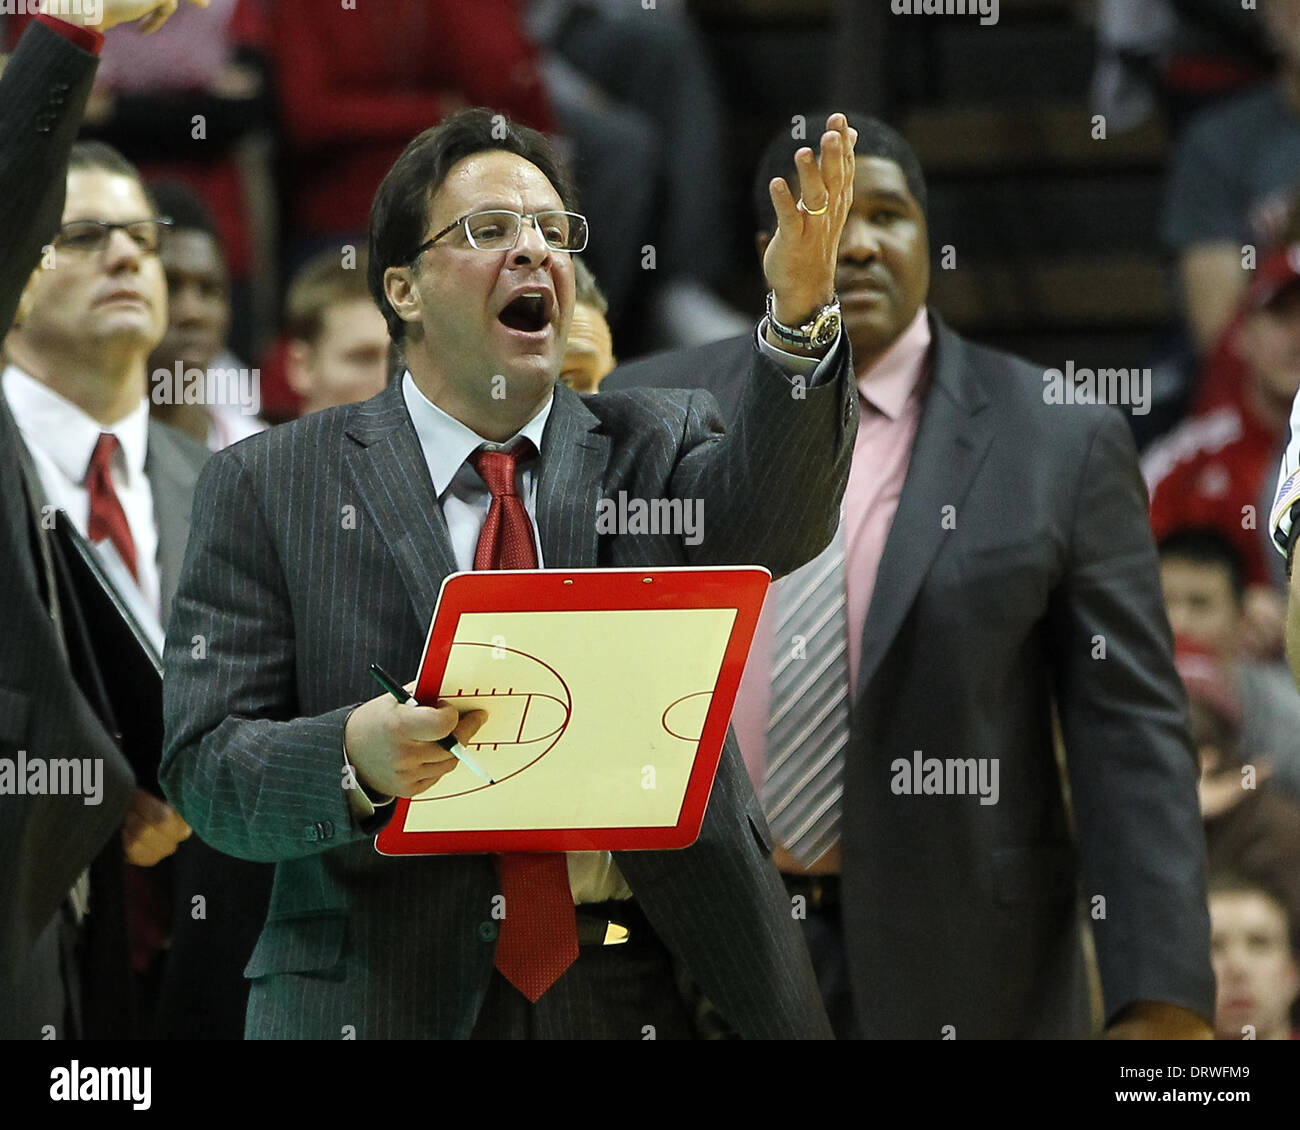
(320, 547)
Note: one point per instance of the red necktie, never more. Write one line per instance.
(539, 935)
(147, 910)
(107, 518)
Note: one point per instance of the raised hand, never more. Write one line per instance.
(800, 259)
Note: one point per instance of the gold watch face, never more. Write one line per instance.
(826, 327)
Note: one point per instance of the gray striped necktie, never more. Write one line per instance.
(809, 725)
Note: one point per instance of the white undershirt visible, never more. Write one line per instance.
(61, 438)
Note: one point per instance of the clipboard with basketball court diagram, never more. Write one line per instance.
(608, 693)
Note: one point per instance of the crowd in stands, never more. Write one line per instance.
(1225, 81)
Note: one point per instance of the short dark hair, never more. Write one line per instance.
(1259, 880)
(85, 156)
(875, 139)
(401, 207)
(1205, 545)
(183, 206)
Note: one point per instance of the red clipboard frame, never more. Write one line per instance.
(742, 588)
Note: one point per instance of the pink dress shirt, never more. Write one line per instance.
(890, 394)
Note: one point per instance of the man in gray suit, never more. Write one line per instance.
(996, 568)
(56, 980)
(319, 547)
(76, 385)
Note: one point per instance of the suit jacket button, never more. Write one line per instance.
(487, 931)
(326, 829)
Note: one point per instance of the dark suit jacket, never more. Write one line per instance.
(203, 993)
(46, 841)
(957, 913)
(293, 602)
(172, 464)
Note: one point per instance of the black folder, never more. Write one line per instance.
(122, 660)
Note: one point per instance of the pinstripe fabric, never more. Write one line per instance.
(803, 784)
(318, 547)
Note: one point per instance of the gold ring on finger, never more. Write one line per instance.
(813, 211)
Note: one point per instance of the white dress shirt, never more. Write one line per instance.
(61, 438)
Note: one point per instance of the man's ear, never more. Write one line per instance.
(761, 240)
(399, 288)
(297, 368)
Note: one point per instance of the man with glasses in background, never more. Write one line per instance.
(319, 548)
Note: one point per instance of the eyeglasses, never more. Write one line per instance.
(92, 236)
(499, 231)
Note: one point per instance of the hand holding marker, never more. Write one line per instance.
(394, 688)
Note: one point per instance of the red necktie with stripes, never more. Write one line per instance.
(539, 935)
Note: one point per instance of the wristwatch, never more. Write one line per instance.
(816, 333)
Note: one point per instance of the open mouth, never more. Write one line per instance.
(528, 313)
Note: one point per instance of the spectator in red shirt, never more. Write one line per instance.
(356, 84)
(1217, 469)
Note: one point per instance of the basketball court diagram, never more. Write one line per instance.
(684, 718)
(605, 710)
(529, 707)
(578, 705)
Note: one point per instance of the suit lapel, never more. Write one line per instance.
(385, 452)
(951, 440)
(570, 481)
(171, 482)
(387, 468)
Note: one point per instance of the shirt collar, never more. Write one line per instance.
(66, 433)
(447, 443)
(888, 383)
